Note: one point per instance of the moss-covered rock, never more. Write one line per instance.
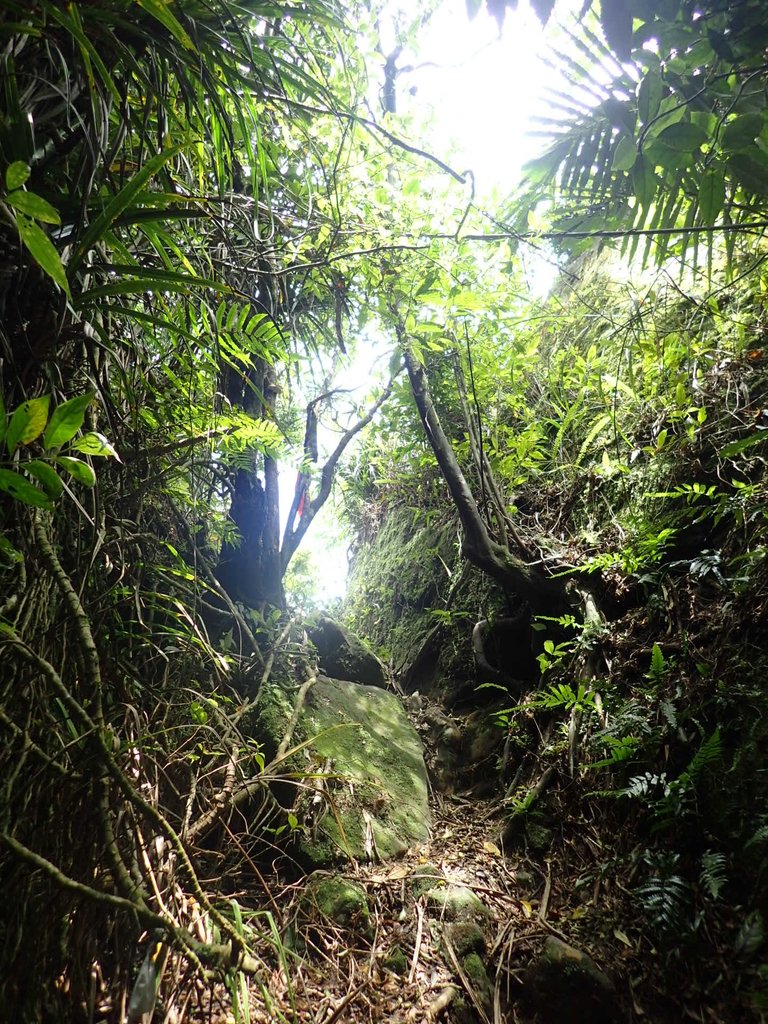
(426, 877)
(375, 796)
(397, 579)
(456, 903)
(465, 937)
(335, 899)
(474, 968)
(342, 655)
(566, 984)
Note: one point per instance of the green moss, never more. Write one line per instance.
(337, 899)
(377, 777)
(466, 937)
(456, 903)
(538, 833)
(474, 968)
(396, 960)
(396, 580)
(427, 877)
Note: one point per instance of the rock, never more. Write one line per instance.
(342, 655)
(474, 968)
(456, 903)
(449, 901)
(531, 828)
(483, 738)
(466, 937)
(333, 898)
(539, 835)
(374, 801)
(426, 877)
(565, 984)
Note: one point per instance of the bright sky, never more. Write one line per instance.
(482, 91)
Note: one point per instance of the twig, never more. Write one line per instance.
(545, 897)
(442, 1002)
(468, 986)
(348, 998)
(300, 698)
(149, 917)
(417, 944)
(91, 662)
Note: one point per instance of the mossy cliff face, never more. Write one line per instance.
(398, 578)
(373, 779)
(415, 599)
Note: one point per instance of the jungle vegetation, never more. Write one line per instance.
(206, 213)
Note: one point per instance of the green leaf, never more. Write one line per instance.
(737, 447)
(658, 664)
(616, 21)
(47, 476)
(10, 554)
(122, 200)
(649, 95)
(27, 423)
(159, 10)
(19, 487)
(625, 155)
(66, 420)
(78, 470)
(683, 137)
(741, 132)
(711, 195)
(42, 250)
(16, 174)
(751, 170)
(94, 443)
(198, 712)
(643, 181)
(659, 155)
(34, 205)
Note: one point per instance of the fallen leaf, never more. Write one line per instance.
(622, 937)
(491, 848)
(527, 908)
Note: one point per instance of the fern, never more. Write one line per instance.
(669, 711)
(667, 903)
(759, 837)
(647, 786)
(709, 753)
(658, 665)
(712, 876)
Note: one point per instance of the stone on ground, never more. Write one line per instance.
(371, 800)
(342, 655)
(565, 984)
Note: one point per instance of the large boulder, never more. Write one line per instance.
(565, 984)
(364, 795)
(342, 655)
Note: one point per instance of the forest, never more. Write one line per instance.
(256, 322)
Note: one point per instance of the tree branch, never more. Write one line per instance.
(497, 561)
(293, 537)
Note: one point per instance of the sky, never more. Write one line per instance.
(481, 88)
(481, 91)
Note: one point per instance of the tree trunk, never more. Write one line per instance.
(541, 592)
(249, 568)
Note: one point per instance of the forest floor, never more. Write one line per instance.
(324, 973)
